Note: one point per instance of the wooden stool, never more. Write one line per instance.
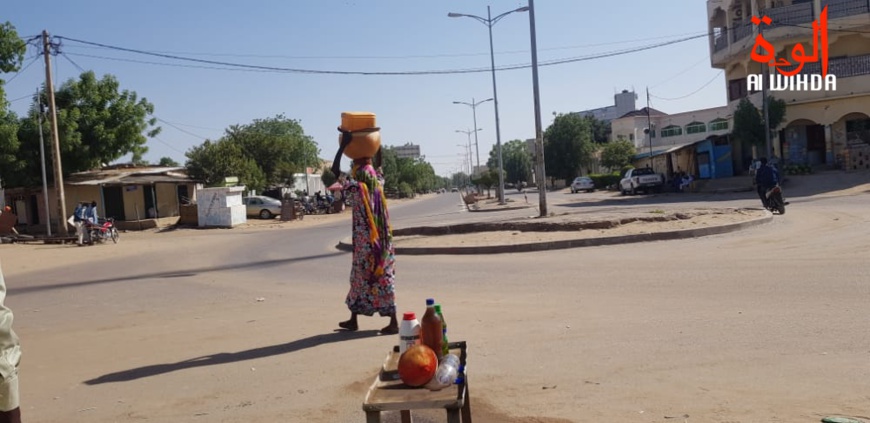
(388, 393)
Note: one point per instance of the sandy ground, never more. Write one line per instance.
(684, 328)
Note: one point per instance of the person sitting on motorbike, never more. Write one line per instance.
(766, 177)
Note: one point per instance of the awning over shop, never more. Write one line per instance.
(658, 150)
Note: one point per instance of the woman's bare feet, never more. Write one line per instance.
(392, 328)
(351, 325)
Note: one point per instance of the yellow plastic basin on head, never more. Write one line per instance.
(355, 121)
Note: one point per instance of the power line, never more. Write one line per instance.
(168, 145)
(181, 129)
(21, 98)
(707, 57)
(693, 92)
(20, 71)
(73, 63)
(427, 56)
(390, 73)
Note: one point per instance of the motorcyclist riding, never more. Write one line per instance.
(766, 177)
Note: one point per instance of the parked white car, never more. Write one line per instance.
(264, 207)
(641, 179)
(582, 183)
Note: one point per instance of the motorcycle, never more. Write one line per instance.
(775, 202)
(105, 231)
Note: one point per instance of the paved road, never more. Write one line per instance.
(227, 326)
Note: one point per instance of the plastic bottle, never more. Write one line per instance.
(446, 373)
(445, 344)
(431, 329)
(409, 332)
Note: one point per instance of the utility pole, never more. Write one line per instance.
(55, 139)
(649, 128)
(42, 162)
(495, 103)
(539, 134)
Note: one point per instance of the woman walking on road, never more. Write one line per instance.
(372, 275)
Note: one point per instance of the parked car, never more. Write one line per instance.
(641, 179)
(264, 207)
(582, 183)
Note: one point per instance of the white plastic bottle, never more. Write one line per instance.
(409, 332)
(446, 373)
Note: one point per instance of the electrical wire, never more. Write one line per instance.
(73, 63)
(707, 57)
(168, 145)
(20, 71)
(386, 73)
(693, 92)
(181, 129)
(429, 56)
(21, 98)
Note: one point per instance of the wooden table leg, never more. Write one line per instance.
(406, 416)
(453, 415)
(373, 417)
(466, 407)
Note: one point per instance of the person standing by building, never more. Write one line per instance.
(79, 222)
(10, 357)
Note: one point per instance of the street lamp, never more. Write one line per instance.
(466, 159)
(468, 134)
(489, 21)
(473, 106)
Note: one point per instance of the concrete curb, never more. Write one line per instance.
(498, 210)
(346, 243)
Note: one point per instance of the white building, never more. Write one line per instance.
(694, 142)
(623, 103)
(407, 151)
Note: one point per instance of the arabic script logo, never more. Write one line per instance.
(764, 52)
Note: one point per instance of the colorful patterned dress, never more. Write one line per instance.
(372, 275)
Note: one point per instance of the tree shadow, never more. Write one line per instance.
(174, 274)
(225, 358)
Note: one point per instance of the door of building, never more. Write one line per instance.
(114, 199)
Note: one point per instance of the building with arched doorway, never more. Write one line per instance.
(827, 127)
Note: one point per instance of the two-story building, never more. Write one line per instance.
(694, 142)
(827, 127)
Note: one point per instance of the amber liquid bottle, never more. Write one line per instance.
(431, 329)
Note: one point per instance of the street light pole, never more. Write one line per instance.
(497, 125)
(539, 134)
(468, 134)
(489, 21)
(473, 106)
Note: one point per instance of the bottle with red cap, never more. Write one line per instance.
(409, 332)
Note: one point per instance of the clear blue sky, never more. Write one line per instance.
(375, 35)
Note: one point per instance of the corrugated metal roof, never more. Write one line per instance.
(664, 149)
(129, 176)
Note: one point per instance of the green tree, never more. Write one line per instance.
(487, 180)
(12, 49)
(211, 162)
(749, 121)
(167, 162)
(278, 145)
(417, 174)
(616, 154)
(517, 161)
(99, 123)
(600, 130)
(568, 145)
(327, 177)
